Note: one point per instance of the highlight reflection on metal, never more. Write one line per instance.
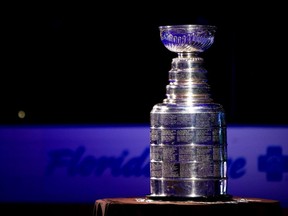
(188, 148)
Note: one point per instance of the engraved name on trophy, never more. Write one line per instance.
(188, 148)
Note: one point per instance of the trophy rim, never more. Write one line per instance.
(188, 26)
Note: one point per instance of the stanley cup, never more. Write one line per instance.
(188, 148)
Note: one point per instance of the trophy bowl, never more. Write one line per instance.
(187, 38)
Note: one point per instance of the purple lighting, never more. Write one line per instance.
(81, 164)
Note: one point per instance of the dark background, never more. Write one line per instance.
(79, 63)
(104, 63)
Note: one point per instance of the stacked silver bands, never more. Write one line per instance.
(188, 148)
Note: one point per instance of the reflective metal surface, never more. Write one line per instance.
(188, 147)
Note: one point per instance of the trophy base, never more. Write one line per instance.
(222, 198)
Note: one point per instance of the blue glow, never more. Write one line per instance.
(83, 163)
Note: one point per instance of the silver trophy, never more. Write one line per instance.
(188, 147)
